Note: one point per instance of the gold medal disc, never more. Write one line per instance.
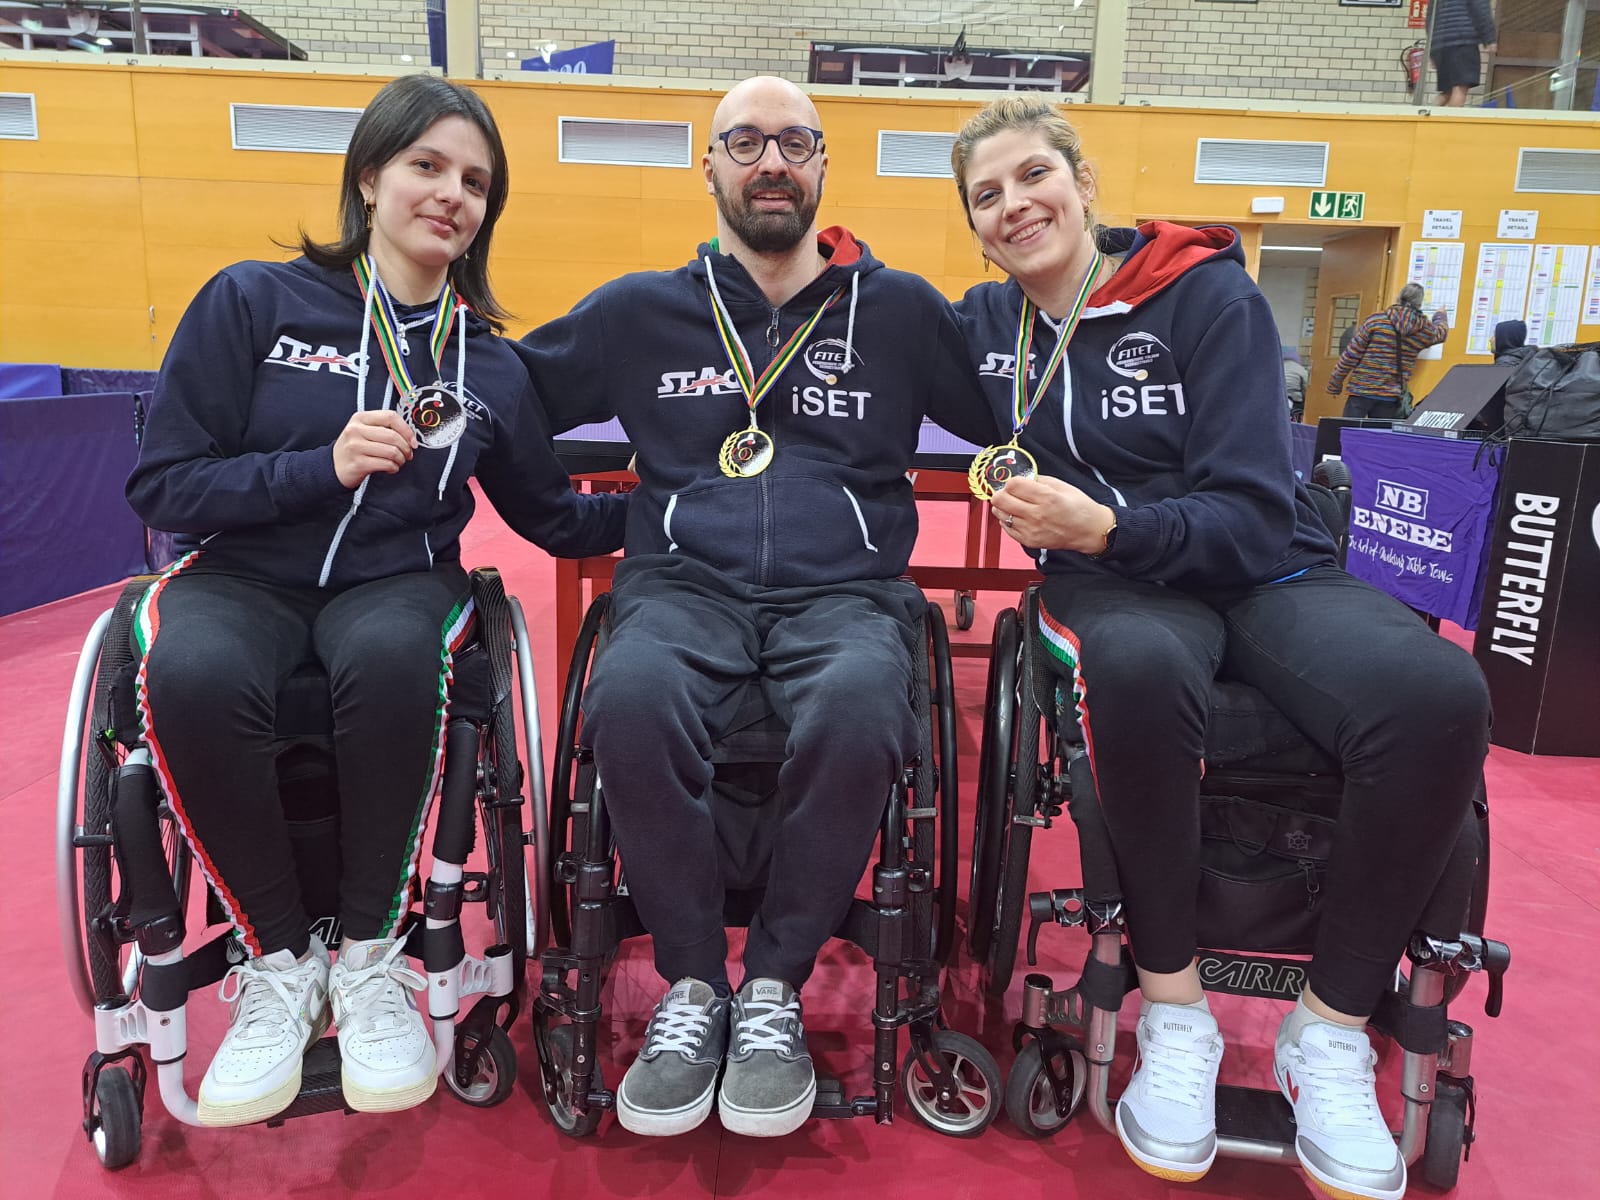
(996, 466)
(745, 453)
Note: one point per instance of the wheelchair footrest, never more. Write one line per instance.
(831, 1103)
(1254, 1114)
(320, 1088)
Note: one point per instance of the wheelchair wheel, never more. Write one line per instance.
(565, 783)
(926, 910)
(495, 1077)
(1015, 838)
(102, 962)
(115, 1128)
(977, 1101)
(558, 1043)
(1031, 1101)
(1447, 1136)
(999, 718)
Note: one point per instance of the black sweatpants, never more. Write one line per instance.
(1403, 710)
(216, 649)
(836, 664)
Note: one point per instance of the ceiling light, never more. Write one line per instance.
(1296, 249)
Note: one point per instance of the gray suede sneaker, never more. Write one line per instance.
(769, 1085)
(669, 1088)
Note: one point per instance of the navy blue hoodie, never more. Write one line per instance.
(266, 368)
(1169, 408)
(835, 504)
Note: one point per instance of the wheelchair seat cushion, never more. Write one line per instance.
(1246, 729)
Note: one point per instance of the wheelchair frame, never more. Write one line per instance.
(951, 1081)
(1057, 1068)
(124, 948)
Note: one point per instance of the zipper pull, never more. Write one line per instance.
(772, 331)
(1313, 888)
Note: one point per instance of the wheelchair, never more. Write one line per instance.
(1269, 802)
(951, 1082)
(124, 873)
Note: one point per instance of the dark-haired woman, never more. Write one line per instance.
(311, 440)
(1176, 544)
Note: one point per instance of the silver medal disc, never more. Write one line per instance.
(435, 415)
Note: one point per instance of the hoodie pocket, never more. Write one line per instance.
(824, 532)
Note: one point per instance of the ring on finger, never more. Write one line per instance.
(1010, 520)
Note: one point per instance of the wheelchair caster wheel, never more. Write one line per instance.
(1448, 1135)
(1031, 1100)
(114, 1127)
(966, 610)
(558, 1098)
(495, 1076)
(976, 1102)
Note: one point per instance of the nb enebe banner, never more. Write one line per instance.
(1539, 638)
(1420, 512)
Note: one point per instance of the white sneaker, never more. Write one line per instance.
(386, 1050)
(1167, 1119)
(279, 1008)
(1342, 1139)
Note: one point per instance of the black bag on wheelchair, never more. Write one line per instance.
(1264, 854)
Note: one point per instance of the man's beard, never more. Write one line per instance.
(768, 232)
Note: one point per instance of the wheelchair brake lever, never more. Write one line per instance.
(1040, 909)
(1496, 958)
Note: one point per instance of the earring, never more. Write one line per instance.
(369, 206)
(986, 264)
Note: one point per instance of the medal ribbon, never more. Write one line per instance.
(387, 325)
(755, 389)
(1022, 407)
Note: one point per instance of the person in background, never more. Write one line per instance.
(1382, 354)
(1295, 378)
(297, 447)
(1459, 28)
(1511, 349)
(1175, 544)
(1511, 343)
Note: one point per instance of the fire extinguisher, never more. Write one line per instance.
(1411, 61)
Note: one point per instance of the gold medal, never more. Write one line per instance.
(996, 466)
(745, 453)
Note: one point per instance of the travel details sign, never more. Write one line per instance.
(1420, 512)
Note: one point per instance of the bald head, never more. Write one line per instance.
(766, 204)
(765, 102)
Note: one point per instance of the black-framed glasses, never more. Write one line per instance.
(746, 144)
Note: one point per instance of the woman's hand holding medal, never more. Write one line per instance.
(1050, 514)
(373, 442)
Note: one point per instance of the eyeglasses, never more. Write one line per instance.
(746, 145)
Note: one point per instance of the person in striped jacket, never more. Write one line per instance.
(1380, 358)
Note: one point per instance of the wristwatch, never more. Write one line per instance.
(1109, 539)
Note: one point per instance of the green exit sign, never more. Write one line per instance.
(1338, 206)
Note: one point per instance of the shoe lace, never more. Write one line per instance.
(1177, 1070)
(375, 995)
(266, 1000)
(1345, 1094)
(775, 1027)
(679, 1027)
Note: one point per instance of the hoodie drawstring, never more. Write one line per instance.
(850, 327)
(361, 406)
(461, 392)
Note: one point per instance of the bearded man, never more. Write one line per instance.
(773, 390)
